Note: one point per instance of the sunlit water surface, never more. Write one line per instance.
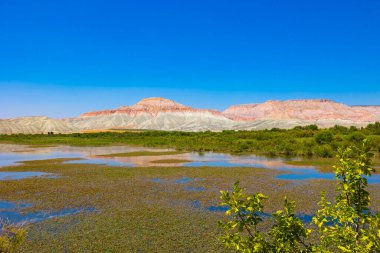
(14, 154)
(11, 212)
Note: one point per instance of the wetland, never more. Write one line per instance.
(130, 198)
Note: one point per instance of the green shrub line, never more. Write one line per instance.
(303, 141)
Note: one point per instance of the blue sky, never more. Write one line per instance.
(62, 58)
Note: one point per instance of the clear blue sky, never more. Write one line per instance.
(62, 58)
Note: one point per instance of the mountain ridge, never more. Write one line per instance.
(158, 113)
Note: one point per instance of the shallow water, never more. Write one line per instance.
(182, 181)
(194, 189)
(14, 154)
(307, 218)
(10, 175)
(14, 213)
(100, 161)
(312, 173)
(10, 158)
(6, 205)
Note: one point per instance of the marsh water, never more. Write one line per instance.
(15, 213)
(14, 154)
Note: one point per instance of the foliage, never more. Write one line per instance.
(246, 212)
(11, 237)
(324, 151)
(299, 141)
(374, 128)
(324, 137)
(347, 225)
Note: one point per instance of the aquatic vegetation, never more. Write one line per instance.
(16, 213)
(143, 208)
(100, 161)
(185, 180)
(323, 164)
(193, 188)
(9, 175)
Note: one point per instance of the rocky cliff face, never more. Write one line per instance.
(152, 106)
(374, 110)
(244, 112)
(164, 114)
(35, 125)
(154, 113)
(310, 110)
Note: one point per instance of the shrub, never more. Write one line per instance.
(324, 151)
(324, 137)
(340, 129)
(345, 225)
(356, 137)
(374, 128)
(11, 237)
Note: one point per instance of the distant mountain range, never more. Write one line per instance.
(165, 114)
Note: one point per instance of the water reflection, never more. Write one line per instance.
(13, 154)
(100, 161)
(10, 175)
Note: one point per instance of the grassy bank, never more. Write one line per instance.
(306, 141)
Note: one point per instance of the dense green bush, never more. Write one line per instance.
(356, 137)
(324, 137)
(299, 141)
(11, 237)
(373, 128)
(324, 151)
(345, 225)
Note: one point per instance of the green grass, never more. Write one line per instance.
(143, 153)
(135, 214)
(41, 146)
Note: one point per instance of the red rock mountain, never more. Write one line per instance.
(311, 109)
(152, 106)
(165, 114)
